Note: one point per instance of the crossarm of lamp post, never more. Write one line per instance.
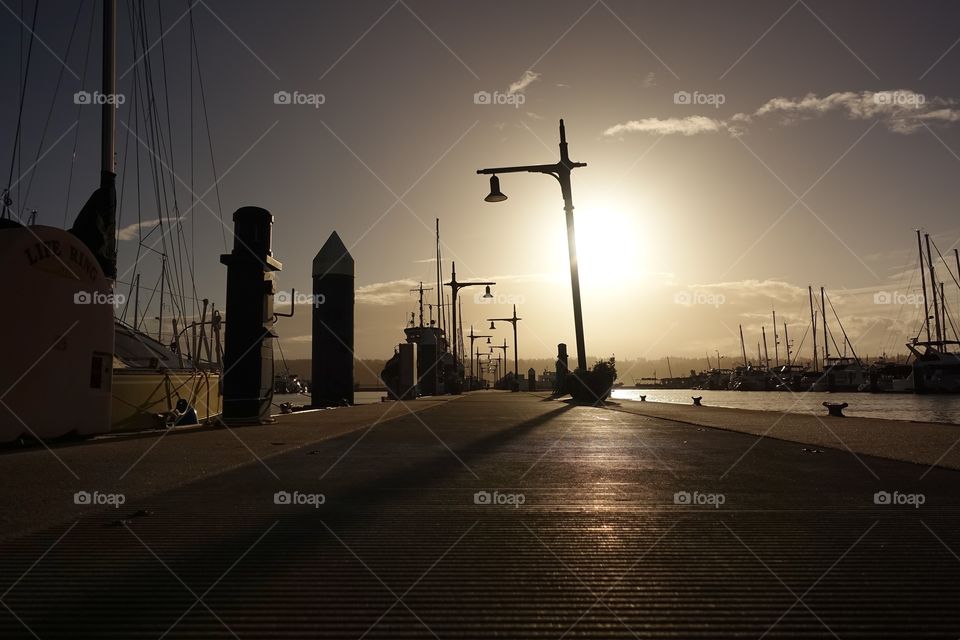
(533, 168)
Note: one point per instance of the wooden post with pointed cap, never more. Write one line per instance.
(333, 302)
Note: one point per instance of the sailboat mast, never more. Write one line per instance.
(786, 342)
(163, 277)
(776, 342)
(766, 354)
(439, 281)
(108, 122)
(943, 311)
(923, 283)
(813, 325)
(826, 335)
(743, 349)
(956, 256)
(933, 290)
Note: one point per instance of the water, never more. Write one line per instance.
(897, 406)
(359, 397)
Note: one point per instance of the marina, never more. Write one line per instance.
(903, 407)
(306, 337)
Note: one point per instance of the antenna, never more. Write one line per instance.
(421, 289)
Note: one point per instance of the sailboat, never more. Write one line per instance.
(936, 365)
(72, 367)
(840, 372)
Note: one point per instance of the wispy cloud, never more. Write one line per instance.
(902, 111)
(519, 86)
(132, 231)
(386, 293)
(689, 126)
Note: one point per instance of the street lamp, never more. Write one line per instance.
(504, 347)
(479, 368)
(561, 171)
(473, 337)
(455, 288)
(512, 320)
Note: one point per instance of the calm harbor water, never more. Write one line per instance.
(359, 397)
(897, 406)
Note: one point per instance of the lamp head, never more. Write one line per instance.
(487, 294)
(492, 326)
(495, 194)
(488, 340)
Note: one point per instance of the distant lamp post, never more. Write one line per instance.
(561, 171)
(473, 336)
(516, 359)
(455, 289)
(504, 348)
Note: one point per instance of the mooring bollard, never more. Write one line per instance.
(836, 409)
(643, 398)
(696, 400)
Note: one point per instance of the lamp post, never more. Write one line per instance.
(454, 289)
(473, 337)
(561, 171)
(479, 368)
(504, 347)
(512, 320)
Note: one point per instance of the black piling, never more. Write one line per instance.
(248, 338)
(333, 301)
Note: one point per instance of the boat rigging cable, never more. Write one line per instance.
(842, 330)
(76, 131)
(15, 155)
(56, 92)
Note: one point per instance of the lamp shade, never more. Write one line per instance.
(495, 194)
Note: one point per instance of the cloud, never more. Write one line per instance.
(528, 78)
(386, 293)
(902, 111)
(132, 231)
(689, 126)
(777, 290)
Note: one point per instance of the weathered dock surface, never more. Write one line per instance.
(605, 524)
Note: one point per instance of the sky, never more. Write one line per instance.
(738, 152)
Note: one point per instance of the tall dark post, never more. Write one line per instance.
(561, 171)
(563, 174)
(333, 300)
(248, 354)
(560, 381)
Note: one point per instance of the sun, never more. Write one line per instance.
(613, 243)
